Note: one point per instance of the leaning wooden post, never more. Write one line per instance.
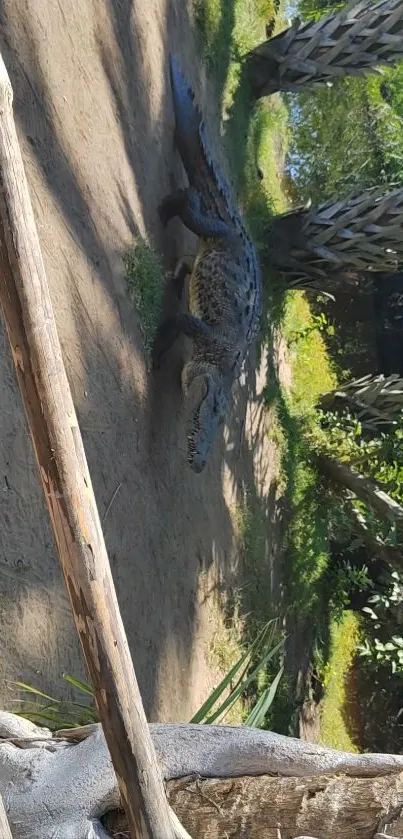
(63, 469)
(5, 832)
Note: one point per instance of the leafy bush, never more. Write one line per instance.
(342, 581)
(383, 619)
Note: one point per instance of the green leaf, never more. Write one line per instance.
(370, 612)
(211, 700)
(30, 689)
(257, 715)
(59, 722)
(234, 695)
(78, 684)
(219, 690)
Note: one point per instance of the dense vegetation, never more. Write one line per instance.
(341, 564)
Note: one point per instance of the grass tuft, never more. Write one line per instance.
(145, 287)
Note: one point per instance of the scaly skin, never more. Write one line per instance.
(225, 295)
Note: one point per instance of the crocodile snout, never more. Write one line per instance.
(206, 412)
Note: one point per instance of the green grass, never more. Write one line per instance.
(145, 287)
(343, 646)
(254, 135)
(312, 374)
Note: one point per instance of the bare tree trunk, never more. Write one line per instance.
(343, 476)
(66, 482)
(54, 786)
(351, 42)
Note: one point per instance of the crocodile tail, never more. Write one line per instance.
(188, 118)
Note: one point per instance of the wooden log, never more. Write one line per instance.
(63, 469)
(5, 832)
(323, 806)
(343, 476)
(66, 783)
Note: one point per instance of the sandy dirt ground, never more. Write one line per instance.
(94, 116)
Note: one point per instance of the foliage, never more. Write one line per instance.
(377, 457)
(317, 323)
(330, 153)
(381, 612)
(374, 706)
(241, 677)
(312, 373)
(313, 9)
(59, 713)
(342, 580)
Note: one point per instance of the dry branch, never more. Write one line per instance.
(342, 476)
(67, 485)
(356, 40)
(362, 233)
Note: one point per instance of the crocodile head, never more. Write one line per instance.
(207, 402)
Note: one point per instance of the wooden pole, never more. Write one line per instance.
(52, 421)
(5, 832)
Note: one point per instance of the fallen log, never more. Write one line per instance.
(64, 785)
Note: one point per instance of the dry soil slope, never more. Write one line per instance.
(95, 123)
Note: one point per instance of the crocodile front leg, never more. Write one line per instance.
(186, 204)
(170, 330)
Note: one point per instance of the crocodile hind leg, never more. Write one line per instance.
(170, 330)
(186, 204)
(184, 267)
(177, 278)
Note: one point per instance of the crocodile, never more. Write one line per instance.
(225, 289)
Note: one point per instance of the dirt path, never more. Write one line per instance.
(95, 124)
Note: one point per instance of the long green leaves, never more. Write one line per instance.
(247, 671)
(257, 716)
(58, 713)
